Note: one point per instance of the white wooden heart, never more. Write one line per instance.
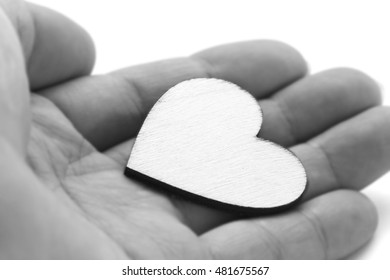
(200, 140)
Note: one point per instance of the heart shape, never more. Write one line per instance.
(200, 140)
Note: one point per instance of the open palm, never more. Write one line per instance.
(63, 192)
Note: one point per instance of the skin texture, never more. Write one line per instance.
(65, 138)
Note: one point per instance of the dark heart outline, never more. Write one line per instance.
(251, 211)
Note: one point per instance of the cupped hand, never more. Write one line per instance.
(65, 139)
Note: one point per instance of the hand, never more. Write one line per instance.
(62, 189)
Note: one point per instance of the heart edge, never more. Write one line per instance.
(240, 210)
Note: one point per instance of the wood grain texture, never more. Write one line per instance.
(200, 140)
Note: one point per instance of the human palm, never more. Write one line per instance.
(70, 199)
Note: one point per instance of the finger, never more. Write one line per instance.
(14, 94)
(331, 226)
(351, 155)
(62, 49)
(260, 67)
(314, 104)
(123, 98)
(55, 48)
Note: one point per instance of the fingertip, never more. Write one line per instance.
(356, 81)
(61, 50)
(350, 222)
(261, 67)
(368, 210)
(292, 57)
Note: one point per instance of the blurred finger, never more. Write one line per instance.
(315, 103)
(110, 109)
(55, 48)
(260, 67)
(331, 226)
(351, 154)
(14, 94)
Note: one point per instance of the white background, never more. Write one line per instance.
(328, 33)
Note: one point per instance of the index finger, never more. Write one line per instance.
(109, 109)
(55, 48)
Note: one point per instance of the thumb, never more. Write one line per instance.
(14, 88)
